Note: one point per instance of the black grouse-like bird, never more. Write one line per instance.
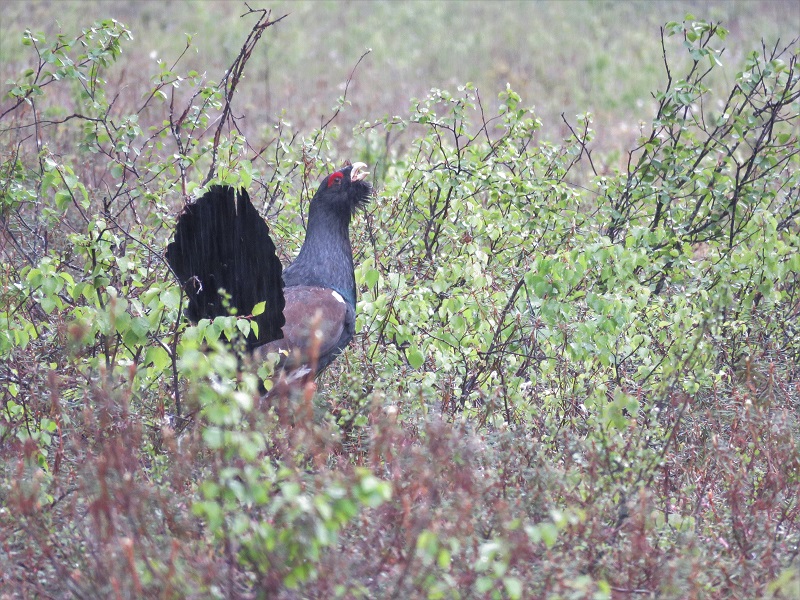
(222, 243)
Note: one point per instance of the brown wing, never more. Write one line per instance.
(317, 328)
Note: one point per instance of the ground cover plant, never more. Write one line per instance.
(570, 380)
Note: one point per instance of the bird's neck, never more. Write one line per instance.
(326, 257)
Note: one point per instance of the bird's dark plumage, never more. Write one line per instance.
(222, 242)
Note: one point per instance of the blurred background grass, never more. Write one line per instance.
(561, 57)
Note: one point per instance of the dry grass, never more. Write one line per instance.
(561, 57)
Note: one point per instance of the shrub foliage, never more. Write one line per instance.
(575, 376)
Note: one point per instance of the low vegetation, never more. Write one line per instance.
(570, 380)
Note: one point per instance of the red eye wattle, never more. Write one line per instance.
(335, 178)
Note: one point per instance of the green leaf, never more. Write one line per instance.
(158, 357)
(415, 358)
(371, 277)
(243, 325)
(63, 199)
(513, 587)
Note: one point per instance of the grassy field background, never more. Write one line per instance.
(561, 57)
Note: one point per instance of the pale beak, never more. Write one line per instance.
(359, 172)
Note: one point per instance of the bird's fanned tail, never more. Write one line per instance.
(222, 242)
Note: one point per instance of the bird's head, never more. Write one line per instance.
(346, 189)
